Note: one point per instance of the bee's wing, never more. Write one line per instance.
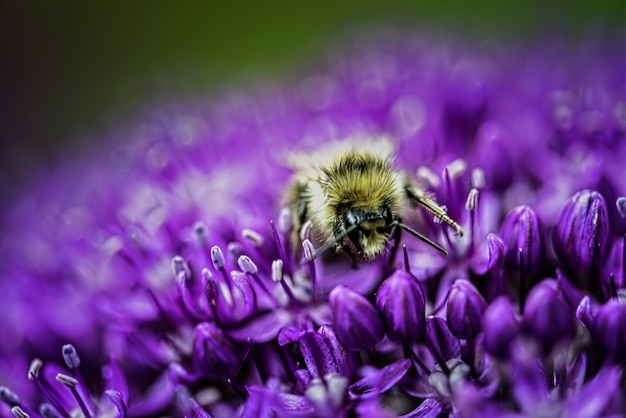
(311, 162)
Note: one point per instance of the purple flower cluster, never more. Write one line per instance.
(166, 260)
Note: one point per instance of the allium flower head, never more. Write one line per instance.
(167, 259)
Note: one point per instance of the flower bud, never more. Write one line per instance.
(323, 354)
(582, 237)
(440, 341)
(212, 353)
(400, 301)
(608, 330)
(500, 327)
(547, 316)
(355, 320)
(465, 310)
(523, 240)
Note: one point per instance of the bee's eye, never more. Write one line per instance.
(386, 214)
(353, 218)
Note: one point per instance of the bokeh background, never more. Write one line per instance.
(70, 69)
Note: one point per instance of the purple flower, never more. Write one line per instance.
(547, 316)
(355, 320)
(608, 329)
(167, 250)
(465, 310)
(501, 327)
(522, 235)
(582, 237)
(400, 301)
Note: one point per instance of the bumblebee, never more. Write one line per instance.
(355, 199)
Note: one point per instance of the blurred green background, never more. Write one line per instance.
(67, 66)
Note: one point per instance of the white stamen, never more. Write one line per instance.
(252, 236)
(478, 178)
(217, 257)
(456, 168)
(305, 231)
(308, 249)
(34, 368)
(472, 200)
(179, 266)
(285, 221)
(247, 265)
(19, 412)
(68, 381)
(277, 270)
(428, 176)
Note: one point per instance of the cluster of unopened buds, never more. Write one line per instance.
(172, 263)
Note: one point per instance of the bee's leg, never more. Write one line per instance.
(396, 237)
(430, 205)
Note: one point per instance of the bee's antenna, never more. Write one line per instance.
(422, 237)
(332, 243)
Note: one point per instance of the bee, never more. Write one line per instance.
(356, 199)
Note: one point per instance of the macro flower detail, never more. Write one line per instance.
(323, 354)
(582, 237)
(547, 316)
(400, 301)
(608, 329)
(167, 251)
(522, 235)
(500, 326)
(465, 310)
(355, 320)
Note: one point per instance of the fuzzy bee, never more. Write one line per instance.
(356, 199)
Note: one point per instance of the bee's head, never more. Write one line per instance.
(369, 229)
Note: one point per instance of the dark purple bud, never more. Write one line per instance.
(347, 362)
(213, 354)
(496, 249)
(323, 354)
(400, 301)
(465, 310)
(523, 241)
(608, 330)
(500, 327)
(355, 320)
(440, 341)
(547, 316)
(582, 237)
